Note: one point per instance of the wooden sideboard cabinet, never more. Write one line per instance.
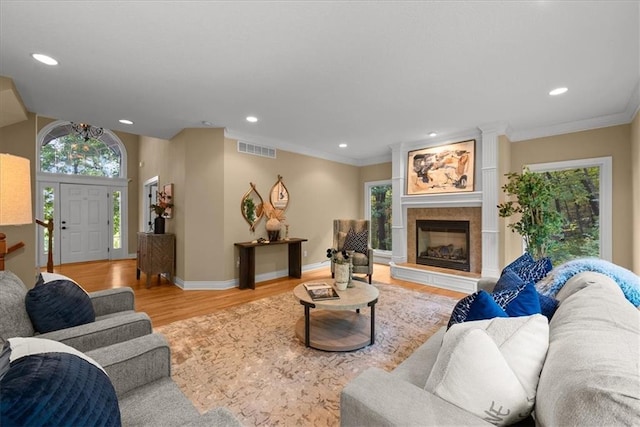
(156, 255)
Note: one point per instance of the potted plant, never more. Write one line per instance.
(274, 222)
(539, 222)
(160, 209)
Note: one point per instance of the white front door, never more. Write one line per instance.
(84, 223)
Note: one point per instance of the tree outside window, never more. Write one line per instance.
(380, 216)
(72, 155)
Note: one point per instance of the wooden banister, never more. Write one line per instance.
(49, 226)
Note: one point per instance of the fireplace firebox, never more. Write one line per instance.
(443, 244)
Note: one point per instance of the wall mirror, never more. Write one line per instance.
(279, 196)
(251, 206)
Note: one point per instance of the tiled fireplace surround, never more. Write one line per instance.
(478, 207)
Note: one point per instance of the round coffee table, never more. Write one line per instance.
(338, 325)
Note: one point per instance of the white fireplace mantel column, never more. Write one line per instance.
(398, 226)
(490, 189)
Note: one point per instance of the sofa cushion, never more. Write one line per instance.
(58, 304)
(49, 383)
(491, 367)
(14, 320)
(358, 242)
(592, 372)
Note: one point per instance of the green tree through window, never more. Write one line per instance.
(72, 155)
(380, 217)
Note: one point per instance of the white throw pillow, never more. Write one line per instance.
(491, 367)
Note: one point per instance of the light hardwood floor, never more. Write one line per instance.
(166, 303)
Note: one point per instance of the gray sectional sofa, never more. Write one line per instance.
(590, 376)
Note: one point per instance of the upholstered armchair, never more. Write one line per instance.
(353, 235)
(113, 309)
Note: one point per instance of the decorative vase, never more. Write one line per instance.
(342, 275)
(273, 227)
(158, 225)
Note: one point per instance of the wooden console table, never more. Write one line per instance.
(156, 255)
(247, 250)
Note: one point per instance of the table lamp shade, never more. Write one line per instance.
(15, 190)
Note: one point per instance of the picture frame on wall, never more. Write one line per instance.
(166, 196)
(443, 169)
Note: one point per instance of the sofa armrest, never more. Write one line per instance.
(135, 363)
(111, 301)
(378, 398)
(104, 332)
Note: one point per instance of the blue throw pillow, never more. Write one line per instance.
(535, 271)
(58, 304)
(51, 384)
(522, 261)
(548, 305)
(509, 279)
(525, 303)
(484, 307)
(461, 309)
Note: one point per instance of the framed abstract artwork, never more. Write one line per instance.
(443, 169)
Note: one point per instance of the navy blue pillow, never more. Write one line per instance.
(461, 309)
(484, 307)
(522, 261)
(57, 389)
(525, 303)
(535, 271)
(510, 280)
(58, 304)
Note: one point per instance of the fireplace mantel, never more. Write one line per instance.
(447, 200)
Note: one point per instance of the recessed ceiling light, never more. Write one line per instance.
(432, 134)
(45, 59)
(207, 123)
(343, 145)
(125, 121)
(558, 91)
(252, 119)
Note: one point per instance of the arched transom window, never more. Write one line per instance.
(64, 151)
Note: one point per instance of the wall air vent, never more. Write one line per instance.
(256, 150)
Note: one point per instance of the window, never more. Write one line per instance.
(378, 211)
(584, 200)
(65, 152)
(117, 218)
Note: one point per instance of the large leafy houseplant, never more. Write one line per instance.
(539, 222)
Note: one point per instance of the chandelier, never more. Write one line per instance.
(86, 131)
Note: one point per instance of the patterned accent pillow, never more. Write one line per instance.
(510, 280)
(522, 261)
(50, 383)
(58, 304)
(358, 242)
(535, 271)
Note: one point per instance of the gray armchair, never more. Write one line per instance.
(116, 321)
(362, 262)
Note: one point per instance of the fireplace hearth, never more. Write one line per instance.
(443, 243)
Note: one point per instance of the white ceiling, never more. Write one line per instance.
(318, 73)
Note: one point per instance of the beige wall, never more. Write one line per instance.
(635, 179)
(210, 178)
(612, 141)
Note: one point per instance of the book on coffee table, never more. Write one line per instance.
(321, 291)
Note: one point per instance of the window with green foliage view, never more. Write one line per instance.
(72, 155)
(380, 216)
(578, 200)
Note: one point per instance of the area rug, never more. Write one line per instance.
(248, 359)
